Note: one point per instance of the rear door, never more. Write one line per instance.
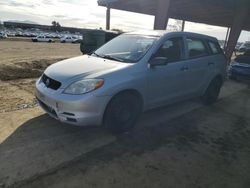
(199, 64)
(218, 61)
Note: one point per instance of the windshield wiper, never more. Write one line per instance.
(108, 57)
(112, 58)
(97, 54)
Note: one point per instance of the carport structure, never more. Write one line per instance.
(233, 14)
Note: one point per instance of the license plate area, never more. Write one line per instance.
(50, 110)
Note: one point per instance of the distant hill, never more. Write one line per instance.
(22, 21)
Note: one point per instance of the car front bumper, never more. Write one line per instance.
(81, 110)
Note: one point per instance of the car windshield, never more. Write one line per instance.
(126, 48)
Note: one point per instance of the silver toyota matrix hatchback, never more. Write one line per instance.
(132, 73)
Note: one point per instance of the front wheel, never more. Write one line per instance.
(212, 92)
(122, 112)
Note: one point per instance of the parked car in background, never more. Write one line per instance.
(42, 38)
(11, 34)
(130, 74)
(69, 39)
(244, 47)
(237, 47)
(3, 35)
(93, 39)
(240, 67)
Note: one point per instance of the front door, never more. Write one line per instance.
(166, 82)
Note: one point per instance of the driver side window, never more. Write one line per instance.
(171, 49)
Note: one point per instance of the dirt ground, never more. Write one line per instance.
(21, 63)
(18, 51)
(186, 145)
(20, 59)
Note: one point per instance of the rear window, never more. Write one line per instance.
(215, 48)
(196, 48)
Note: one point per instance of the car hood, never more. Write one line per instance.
(81, 66)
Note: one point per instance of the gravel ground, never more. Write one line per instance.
(184, 145)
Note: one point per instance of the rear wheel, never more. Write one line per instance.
(122, 112)
(212, 92)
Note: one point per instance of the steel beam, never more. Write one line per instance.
(108, 18)
(226, 39)
(236, 28)
(183, 25)
(162, 14)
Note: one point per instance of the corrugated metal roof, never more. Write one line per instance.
(213, 12)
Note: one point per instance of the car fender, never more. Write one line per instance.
(133, 81)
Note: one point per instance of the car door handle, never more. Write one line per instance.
(210, 63)
(184, 68)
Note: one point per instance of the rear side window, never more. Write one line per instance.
(215, 48)
(196, 48)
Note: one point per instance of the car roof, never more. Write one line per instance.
(160, 33)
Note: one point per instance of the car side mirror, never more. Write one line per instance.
(158, 61)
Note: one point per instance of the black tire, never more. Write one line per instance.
(122, 112)
(50, 41)
(212, 92)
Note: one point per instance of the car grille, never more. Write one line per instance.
(50, 83)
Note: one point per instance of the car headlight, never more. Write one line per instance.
(84, 86)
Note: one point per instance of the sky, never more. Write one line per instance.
(87, 14)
